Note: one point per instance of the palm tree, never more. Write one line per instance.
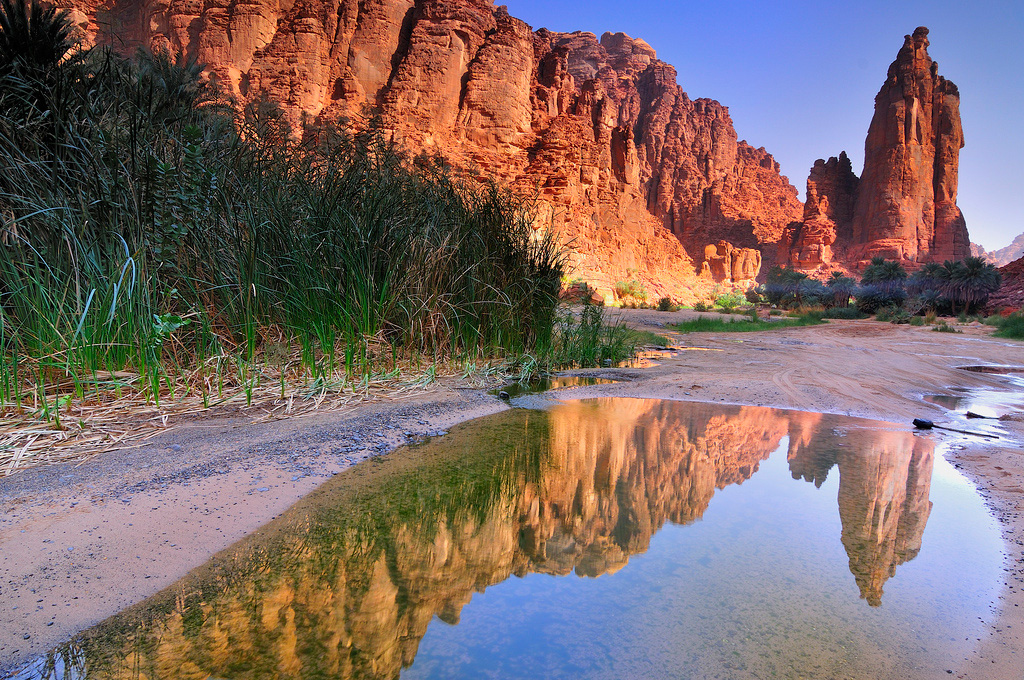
(888, 275)
(974, 280)
(35, 45)
(841, 289)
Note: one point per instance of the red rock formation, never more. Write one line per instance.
(807, 245)
(625, 165)
(1011, 293)
(906, 204)
(724, 263)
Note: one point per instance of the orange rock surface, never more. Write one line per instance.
(906, 203)
(625, 165)
(903, 206)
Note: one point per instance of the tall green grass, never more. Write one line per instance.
(705, 324)
(148, 229)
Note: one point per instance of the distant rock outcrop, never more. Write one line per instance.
(626, 166)
(906, 204)
(1002, 256)
(903, 207)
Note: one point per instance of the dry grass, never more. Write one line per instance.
(121, 413)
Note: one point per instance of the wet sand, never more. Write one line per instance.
(80, 542)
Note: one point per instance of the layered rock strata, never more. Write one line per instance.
(626, 166)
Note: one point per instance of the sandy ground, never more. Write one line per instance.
(80, 542)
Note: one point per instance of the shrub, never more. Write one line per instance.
(993, 320)
(885, 314)
(843, 313)
(917, 321)
(872, 298)
(729, 302)
(630, 289)
(665, 304)
(1012, 327)
(943, 327)
(755, 295)
(701, 307)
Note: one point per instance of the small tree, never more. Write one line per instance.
(882, 285)
(972, 281)
(840, 290)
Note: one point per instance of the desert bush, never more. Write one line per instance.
(728, 302)
(665, 304)
(148, 227)
(843, 313)
(631, 289)
(1012, 327)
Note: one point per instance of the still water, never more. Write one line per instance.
(606, 538)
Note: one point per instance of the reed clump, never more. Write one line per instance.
(160, 246)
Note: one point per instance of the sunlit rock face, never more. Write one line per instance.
(903, 207)
(625, 164)
(906, 207)
(724, 263)
(346, 583)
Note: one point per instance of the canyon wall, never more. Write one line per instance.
(903, 207)
(640, 181)
(634, 174)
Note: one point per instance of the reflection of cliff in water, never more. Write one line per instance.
(346, 583)
(884, 480)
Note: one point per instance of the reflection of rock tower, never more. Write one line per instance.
(883, 499)
(346, 583)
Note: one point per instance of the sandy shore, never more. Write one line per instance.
(80, 542)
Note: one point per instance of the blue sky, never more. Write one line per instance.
(800, 78)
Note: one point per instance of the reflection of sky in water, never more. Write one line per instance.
(988, 402)
(727, 542)
(759, 587)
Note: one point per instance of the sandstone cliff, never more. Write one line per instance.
(627, 167)
(903, 206)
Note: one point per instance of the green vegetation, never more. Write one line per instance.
(158, 244)
(952, 286)
(730, 302)
(665, 304)
(638, 338)
(1012, 327)
(583, 340)
(843, 313)
(705, 324)
(943, 327)
(632, 290)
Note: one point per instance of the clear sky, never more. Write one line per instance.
(800, 78)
